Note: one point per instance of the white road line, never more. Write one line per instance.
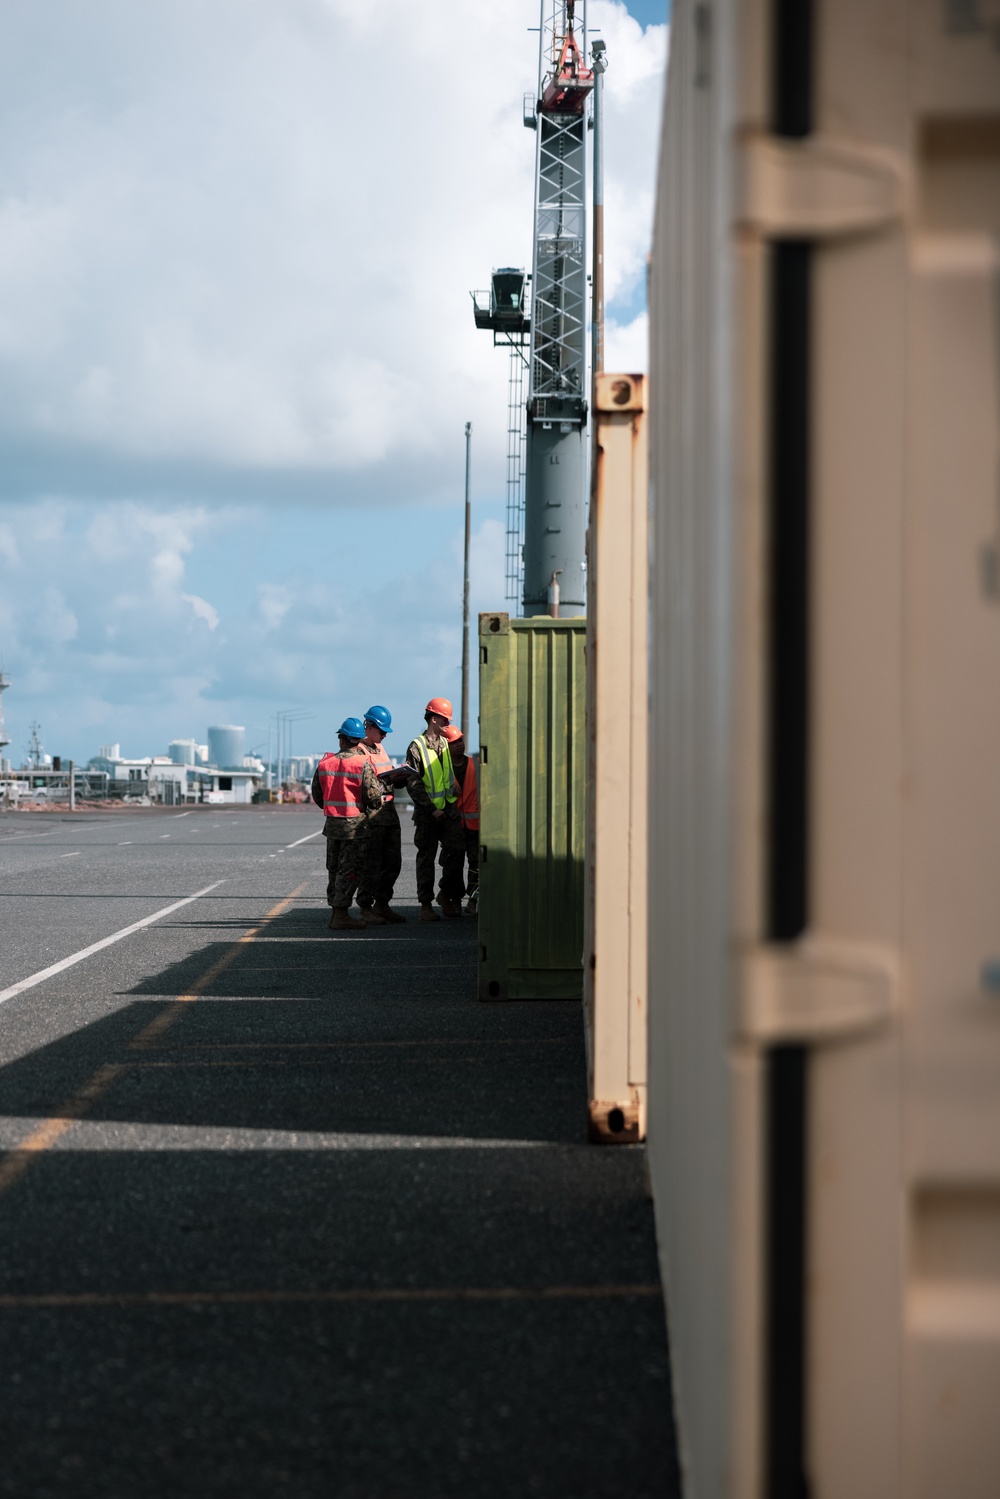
(15, 836)
(181, 814)
(74, 855)
(164, 835)
(126, 844)
(85, 952)
(303, 840)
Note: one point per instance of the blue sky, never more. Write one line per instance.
(650, 12)
(237, 353)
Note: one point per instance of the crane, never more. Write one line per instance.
(553, 518)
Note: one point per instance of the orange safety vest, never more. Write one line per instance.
(468, 797)
(380, 762)
(340, 780)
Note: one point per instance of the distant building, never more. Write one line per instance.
(128, 778)
(301, 767)
(182, 751)
(109, 752)
(226, 745)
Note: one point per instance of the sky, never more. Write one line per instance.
(237, 354)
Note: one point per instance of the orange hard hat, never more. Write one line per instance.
(440, 706)
(451, 733)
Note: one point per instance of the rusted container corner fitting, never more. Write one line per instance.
(615, 960)
(532, 685)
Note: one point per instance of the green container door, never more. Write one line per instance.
(532, 694)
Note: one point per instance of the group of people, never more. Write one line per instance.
(356, 784)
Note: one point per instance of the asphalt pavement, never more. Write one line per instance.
(288, 1212)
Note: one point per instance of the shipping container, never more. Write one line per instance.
(532, 766)
(614, 973)
(824, 901)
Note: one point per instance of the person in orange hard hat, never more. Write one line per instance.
(437, 821)
(468, 807)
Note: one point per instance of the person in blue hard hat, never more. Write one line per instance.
(383, 856)
(346, 787)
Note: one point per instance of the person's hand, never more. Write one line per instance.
(438, 812)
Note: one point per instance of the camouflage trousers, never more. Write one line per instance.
(344, 858)
(472, 857)
(383, 858)
(430, 833)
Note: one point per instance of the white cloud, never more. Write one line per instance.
(236, 245)
(54, 621)
(633, 87)
(487, 553)
(202, 609)
(274, 602)
(626, 348)
(226, 236)
(8, 546)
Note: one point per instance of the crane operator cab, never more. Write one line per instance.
(507, 296)
(506, 310)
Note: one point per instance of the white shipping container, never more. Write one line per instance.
(824, 903)
(614, 924)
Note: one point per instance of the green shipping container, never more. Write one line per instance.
(532, 777)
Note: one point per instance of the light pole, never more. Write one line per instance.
(286, 717)
(465, 591)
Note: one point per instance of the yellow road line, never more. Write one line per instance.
(319, 1297)
(15, 1163)
(161, 1023)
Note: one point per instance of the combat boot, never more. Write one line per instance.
(387, 913)
(341, 921)
(369, 917)
(448, 907)
(428, 913)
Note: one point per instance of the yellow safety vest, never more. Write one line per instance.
(438, 776)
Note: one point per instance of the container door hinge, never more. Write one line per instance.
(815, 990)
(822, 187)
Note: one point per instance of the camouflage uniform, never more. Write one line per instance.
(429, 832)
(346, 837)
(383, 855)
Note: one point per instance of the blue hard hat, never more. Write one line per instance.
(380, 717)
(352, 728)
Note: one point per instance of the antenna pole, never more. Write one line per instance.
(599, 53)
(465, 591)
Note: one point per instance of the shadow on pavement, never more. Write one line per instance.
(335, 1234)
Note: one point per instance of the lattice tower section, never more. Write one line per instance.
(559, 281)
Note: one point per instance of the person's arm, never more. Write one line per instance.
(371, 791)
(317, 789)
(415, 786)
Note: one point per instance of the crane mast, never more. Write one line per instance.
(546, 472)
(555, 518)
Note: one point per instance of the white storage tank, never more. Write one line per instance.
(182, 751)
(226, 746)
(824, 900)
